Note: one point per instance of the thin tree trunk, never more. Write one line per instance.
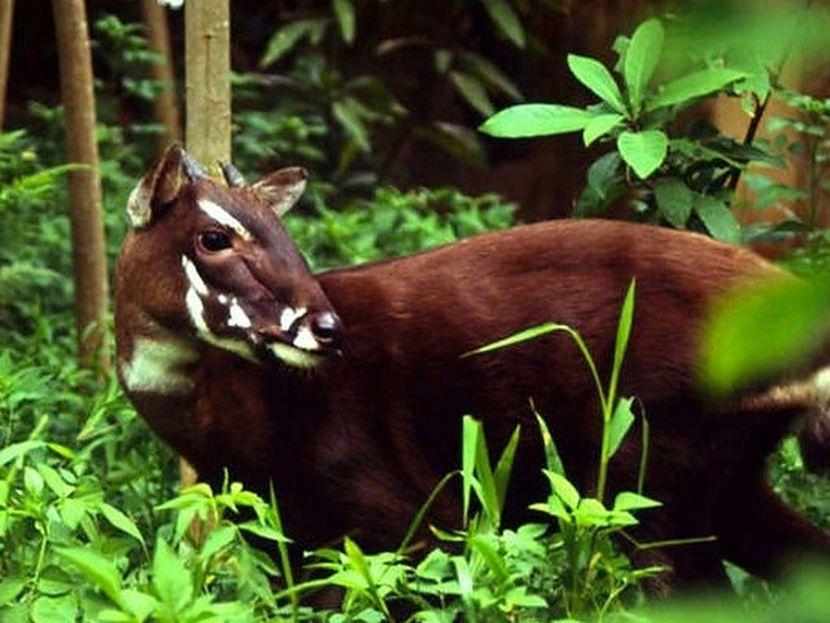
(89, 259)
(6, 13)
(207, 96)
(158, 35)
(208, 91)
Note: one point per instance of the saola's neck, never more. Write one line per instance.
(155, 360)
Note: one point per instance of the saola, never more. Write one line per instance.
(346, 388)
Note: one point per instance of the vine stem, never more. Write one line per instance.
(761, 106)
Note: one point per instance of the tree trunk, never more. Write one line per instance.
(6, 13)
(207, 97)
(158, 35)
(208, 91)
(89, 259)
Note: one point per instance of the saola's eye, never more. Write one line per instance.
(214, 240)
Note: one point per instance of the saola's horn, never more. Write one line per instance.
(232, 175)
(192, 168)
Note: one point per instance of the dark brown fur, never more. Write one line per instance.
(356, 445)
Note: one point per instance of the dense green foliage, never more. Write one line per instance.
(92, 524)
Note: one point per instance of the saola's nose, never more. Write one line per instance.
(326, 329)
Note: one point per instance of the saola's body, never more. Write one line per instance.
(356, 441)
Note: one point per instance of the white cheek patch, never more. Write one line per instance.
(196, 311)
(193, 276)
(221, 216)
(289, 316)
(294, 356)
(156, 366)
(237, 316)
(305, 340)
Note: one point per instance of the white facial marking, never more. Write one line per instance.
(290, 315)
(156, 366)
(193, 276)
(220, 215)
(223, 299)
(294, 356)
(237, 316)
(305, 340)
(196, 310)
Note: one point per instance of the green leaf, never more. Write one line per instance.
(621, 341)
(495, 562)
(563, 489)
(620, 423)
(473, 91)
(628, 501)
(97, 569)
(524, 120)
(344, 10)
(10, 588)
(53, 609)
(16, 450)
(644, 151)
(504, 466)
(348, 115)
(171, 578)
(599, 125)
(490, 74)
(605, 174)
(517, 338)
(120, 521)
(505, 18)
(762, 329)
(694, 85)
(641, 59)
(553, 460)
(471, 429)
(674, 201)
(285, 39)
(598, 79)
(718, 218)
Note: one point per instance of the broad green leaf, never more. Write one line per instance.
(524, 120)
(97, 569)
(762, 330)
(718, 218)
(284, 40)
(641, 59)
(490, 74)
(138, 603)
(264, 532)
(10, 588)
(505, 18)
(344, 10)
(473, 91)
(563, 489)
(171, 579)
(620, 423)
(605, 174)
(121, 521)
(694, 85)
(598, 79)
(16, 450)
(495, 562)
(629, 501)
(644, 151)
(54, 609)
(674, 201)
(599, 125)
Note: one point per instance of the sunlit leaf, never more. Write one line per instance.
(598, 79)
(694, 85)
(525, 120)
(641, 59)
(644, 151)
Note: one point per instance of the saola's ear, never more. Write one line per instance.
(283, 188)
(161, 184)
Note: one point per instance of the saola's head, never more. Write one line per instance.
(216, 263)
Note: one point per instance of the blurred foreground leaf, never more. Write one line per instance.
(763, 329)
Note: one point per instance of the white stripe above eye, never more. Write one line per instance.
(221, 216)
